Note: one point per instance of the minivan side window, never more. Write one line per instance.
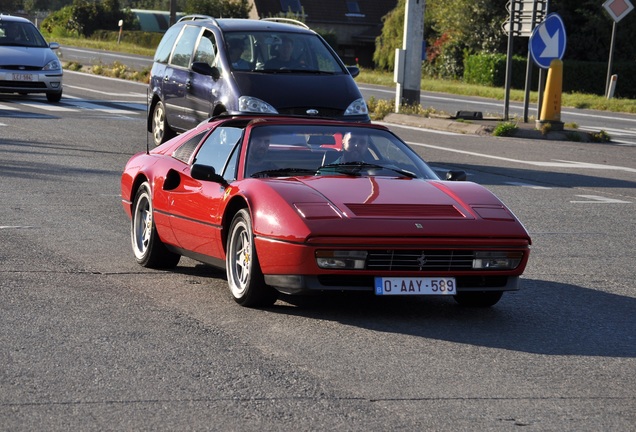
(165, 46)
(185, 46)
(206, 50)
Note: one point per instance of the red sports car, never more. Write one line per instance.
(297, 205)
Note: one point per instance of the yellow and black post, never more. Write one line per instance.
(551, 108)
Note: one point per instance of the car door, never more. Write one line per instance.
(176, 79)
(203, 90)
(198, 221)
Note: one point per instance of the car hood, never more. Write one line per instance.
(285, 91)
(25, 56)
(393, 206)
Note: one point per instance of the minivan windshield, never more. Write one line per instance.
(276, 52)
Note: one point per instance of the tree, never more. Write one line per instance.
(390, 38)
(219, 8)
(589, 31)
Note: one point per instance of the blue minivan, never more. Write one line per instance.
(204, 67)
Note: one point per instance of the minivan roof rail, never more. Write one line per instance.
(287, 21)
(195, 18)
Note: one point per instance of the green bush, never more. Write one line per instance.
(578, 76)
(490, 70)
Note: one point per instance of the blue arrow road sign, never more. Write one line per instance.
(548, 41)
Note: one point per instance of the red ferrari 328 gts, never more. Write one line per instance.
(297, 205)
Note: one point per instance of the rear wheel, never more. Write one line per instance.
(478, 299)
(148, 248)
(161, 132)
(244, 274)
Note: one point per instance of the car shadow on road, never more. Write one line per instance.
(543, 318)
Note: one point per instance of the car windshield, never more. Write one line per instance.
(289, 150)
(24, 34)
(280, 52)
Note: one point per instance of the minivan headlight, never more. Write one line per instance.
(252, 104)
(357, 107)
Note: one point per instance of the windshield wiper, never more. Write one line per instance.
(281, 172)
(354, 168)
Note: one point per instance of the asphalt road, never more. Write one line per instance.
(91, 341)
(621, 127)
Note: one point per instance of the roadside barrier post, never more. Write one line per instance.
(551, 109)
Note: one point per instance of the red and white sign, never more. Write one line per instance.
(618, 8)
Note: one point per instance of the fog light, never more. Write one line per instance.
(343, 260)
(55, 84)
(496, 260)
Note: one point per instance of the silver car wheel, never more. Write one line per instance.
(159, 124)
(142, 226)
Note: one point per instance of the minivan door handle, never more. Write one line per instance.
(188, 84)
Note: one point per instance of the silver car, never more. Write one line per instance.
(27, 62)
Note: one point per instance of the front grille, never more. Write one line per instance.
(427, 260)
(22, 84)
(322, 112)
(21, 68)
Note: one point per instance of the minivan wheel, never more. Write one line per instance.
(161, 132)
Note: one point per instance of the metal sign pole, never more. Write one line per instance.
(611, 59)
(509, 63)
(526, 97)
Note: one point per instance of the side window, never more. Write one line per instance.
(206, 49)
(217, 147)
(165, 46)
(184, 47)
(185, 150)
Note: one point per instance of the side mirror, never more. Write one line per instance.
(456, 175)
(206, 173)
(205, 69)
(353, 70)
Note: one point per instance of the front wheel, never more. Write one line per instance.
(244, 274)
(54, 97)
(161, 131)
(148, 248)
(480, 299)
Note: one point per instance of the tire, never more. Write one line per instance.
(54, 97)
(161, 131)
(244, 275)
(147, 247)
(480, 299)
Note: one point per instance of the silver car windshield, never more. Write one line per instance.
(24, 34)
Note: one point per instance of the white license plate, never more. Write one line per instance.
(23, 77)
(415, 286)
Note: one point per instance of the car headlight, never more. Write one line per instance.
(252, 104)
(52, 65)
(357, 107)
(341, 259)
(497, 260)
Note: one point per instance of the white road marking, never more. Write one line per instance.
(531, 186)
(49, 107)
(8, 108)
(142, 96)
(553, 164)
(416, 128)
(595, 199)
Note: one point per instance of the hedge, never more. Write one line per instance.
(578, 76)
